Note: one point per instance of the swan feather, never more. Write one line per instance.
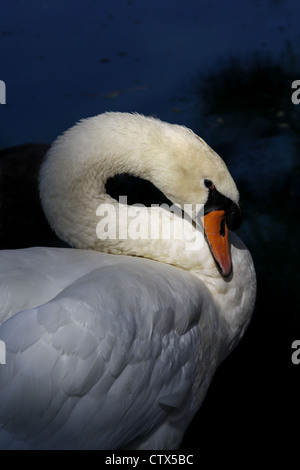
(88, 342)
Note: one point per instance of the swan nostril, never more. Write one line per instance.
(222, 228)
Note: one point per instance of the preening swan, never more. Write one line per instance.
(114, 350)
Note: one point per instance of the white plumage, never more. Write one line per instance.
(106, 351)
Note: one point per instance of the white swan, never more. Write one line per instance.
(106, 351)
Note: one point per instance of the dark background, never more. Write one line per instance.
(223, 68)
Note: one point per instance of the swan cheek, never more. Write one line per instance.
(217, 237)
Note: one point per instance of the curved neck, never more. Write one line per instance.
(84, 215)
(72, 189)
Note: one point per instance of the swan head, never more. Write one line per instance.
(178, 162)
(189, 171)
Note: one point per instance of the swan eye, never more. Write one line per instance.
(208, 184)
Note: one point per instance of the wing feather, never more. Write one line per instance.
(102, 362)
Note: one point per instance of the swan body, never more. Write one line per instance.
(107, 351)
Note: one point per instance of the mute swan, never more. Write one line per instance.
(106, 351)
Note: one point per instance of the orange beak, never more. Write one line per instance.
(217, 237)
